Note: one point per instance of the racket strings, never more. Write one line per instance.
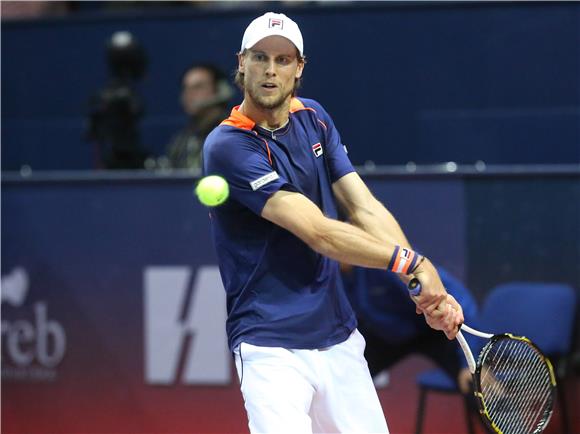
(516, 386)
(541, 391)
(523, 411)
(501, 388)
(528, 419)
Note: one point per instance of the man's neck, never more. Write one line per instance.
(267, 118)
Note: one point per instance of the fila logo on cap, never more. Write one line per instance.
(276, 23)
(317, 149)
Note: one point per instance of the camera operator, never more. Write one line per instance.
(205, 95)
(116, 110)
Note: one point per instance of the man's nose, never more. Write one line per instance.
(271, 68)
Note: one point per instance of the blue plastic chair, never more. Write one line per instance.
(543, 312)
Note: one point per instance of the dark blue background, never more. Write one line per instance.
(498, 82)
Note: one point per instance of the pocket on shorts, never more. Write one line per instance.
(359, 340)
(256, 354)
(238, 361)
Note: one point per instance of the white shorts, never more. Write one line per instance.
(304, 391)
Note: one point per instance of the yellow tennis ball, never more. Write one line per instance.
(212, 190)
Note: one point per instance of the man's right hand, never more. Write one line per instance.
(433, 295)
(441, 310)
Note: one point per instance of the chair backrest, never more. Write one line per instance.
(543, 312)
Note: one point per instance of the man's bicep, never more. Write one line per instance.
(365, 211)
(295, 213)
(351, 193)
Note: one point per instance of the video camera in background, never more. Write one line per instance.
(115, 110)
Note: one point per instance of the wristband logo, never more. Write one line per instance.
(33, 345)
(404, 260)
(185, 336)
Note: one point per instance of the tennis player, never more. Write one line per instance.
(290, 326)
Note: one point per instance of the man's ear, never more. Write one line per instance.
(241, 63)
(299, 69)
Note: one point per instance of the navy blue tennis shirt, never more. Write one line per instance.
(280, 292)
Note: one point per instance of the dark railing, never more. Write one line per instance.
(409, 171)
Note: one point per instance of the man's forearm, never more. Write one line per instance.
(376, 220)
(347, 243)
(338, 240)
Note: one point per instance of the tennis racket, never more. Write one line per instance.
(514, 383)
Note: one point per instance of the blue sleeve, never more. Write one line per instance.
(243, 162)
(338, 162)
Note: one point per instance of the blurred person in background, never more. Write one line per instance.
(205, 96)
(386, 319)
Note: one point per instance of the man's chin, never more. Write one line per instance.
(270, 102)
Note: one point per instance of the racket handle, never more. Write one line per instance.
(414, 287)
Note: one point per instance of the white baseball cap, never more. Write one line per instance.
(271, 24)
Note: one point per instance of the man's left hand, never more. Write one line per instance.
(449, 320)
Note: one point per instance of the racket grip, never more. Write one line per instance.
(414, 287)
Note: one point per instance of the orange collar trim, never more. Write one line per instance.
(243, 122)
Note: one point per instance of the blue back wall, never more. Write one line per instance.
(424, 83)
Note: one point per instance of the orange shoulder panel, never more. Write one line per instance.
(238, 120)
(297, 105)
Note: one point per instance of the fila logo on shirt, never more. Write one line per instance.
(276, 23)
(317, 149)
(184, 320)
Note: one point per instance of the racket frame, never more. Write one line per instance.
(465, 346)
(475, 368)
(543, 423)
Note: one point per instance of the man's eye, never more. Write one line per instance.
(284, 60)
(259, 57)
